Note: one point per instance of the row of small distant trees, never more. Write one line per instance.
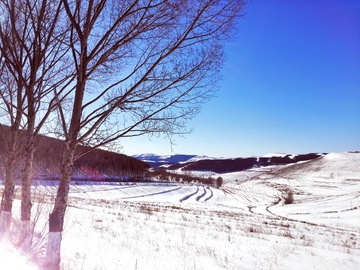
(169, 176)
(93, 71)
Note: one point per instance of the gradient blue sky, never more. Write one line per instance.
(291, 83)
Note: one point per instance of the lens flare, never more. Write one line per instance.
(10, 258)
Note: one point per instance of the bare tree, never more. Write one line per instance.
(32, 53)
(219, 182)
(11, 94)
(141, 67)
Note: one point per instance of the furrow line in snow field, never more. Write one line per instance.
(152, 194)
(201, 195)
(190, 195)
(97, 190)
(281, 200)
(210, 196)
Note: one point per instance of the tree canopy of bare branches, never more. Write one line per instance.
(111, 69)
(32, 67)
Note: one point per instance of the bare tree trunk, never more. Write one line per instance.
(5, 220)
(56, 218)
(8, 193)
(52, 259)
(159, 93)
(25, 232)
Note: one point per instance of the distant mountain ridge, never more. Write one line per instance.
(159, 160)
(221, 165)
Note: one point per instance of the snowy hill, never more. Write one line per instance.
(221, 165)
(339, 166)
(244, 224)
(157, 160)
(90, 163)
(326, 190)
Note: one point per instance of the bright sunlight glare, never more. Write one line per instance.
(11, 259)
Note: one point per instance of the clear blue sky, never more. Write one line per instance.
(291, 83)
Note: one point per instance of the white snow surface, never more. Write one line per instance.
(197, 158)
(243, 225)
(275, 155)
(269, 155)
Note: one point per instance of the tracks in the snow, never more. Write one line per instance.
(201, 194)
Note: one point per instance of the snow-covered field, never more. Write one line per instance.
(243, 225)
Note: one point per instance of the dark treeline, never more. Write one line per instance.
(95, 164)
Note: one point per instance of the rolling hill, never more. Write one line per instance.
(242, 225)
(221, 165)
(94, 164)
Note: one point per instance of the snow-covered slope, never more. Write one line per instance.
(330, 166)
(326, 190)
(158, 160)
(243, 225)
(226, 165)
(269, 155)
